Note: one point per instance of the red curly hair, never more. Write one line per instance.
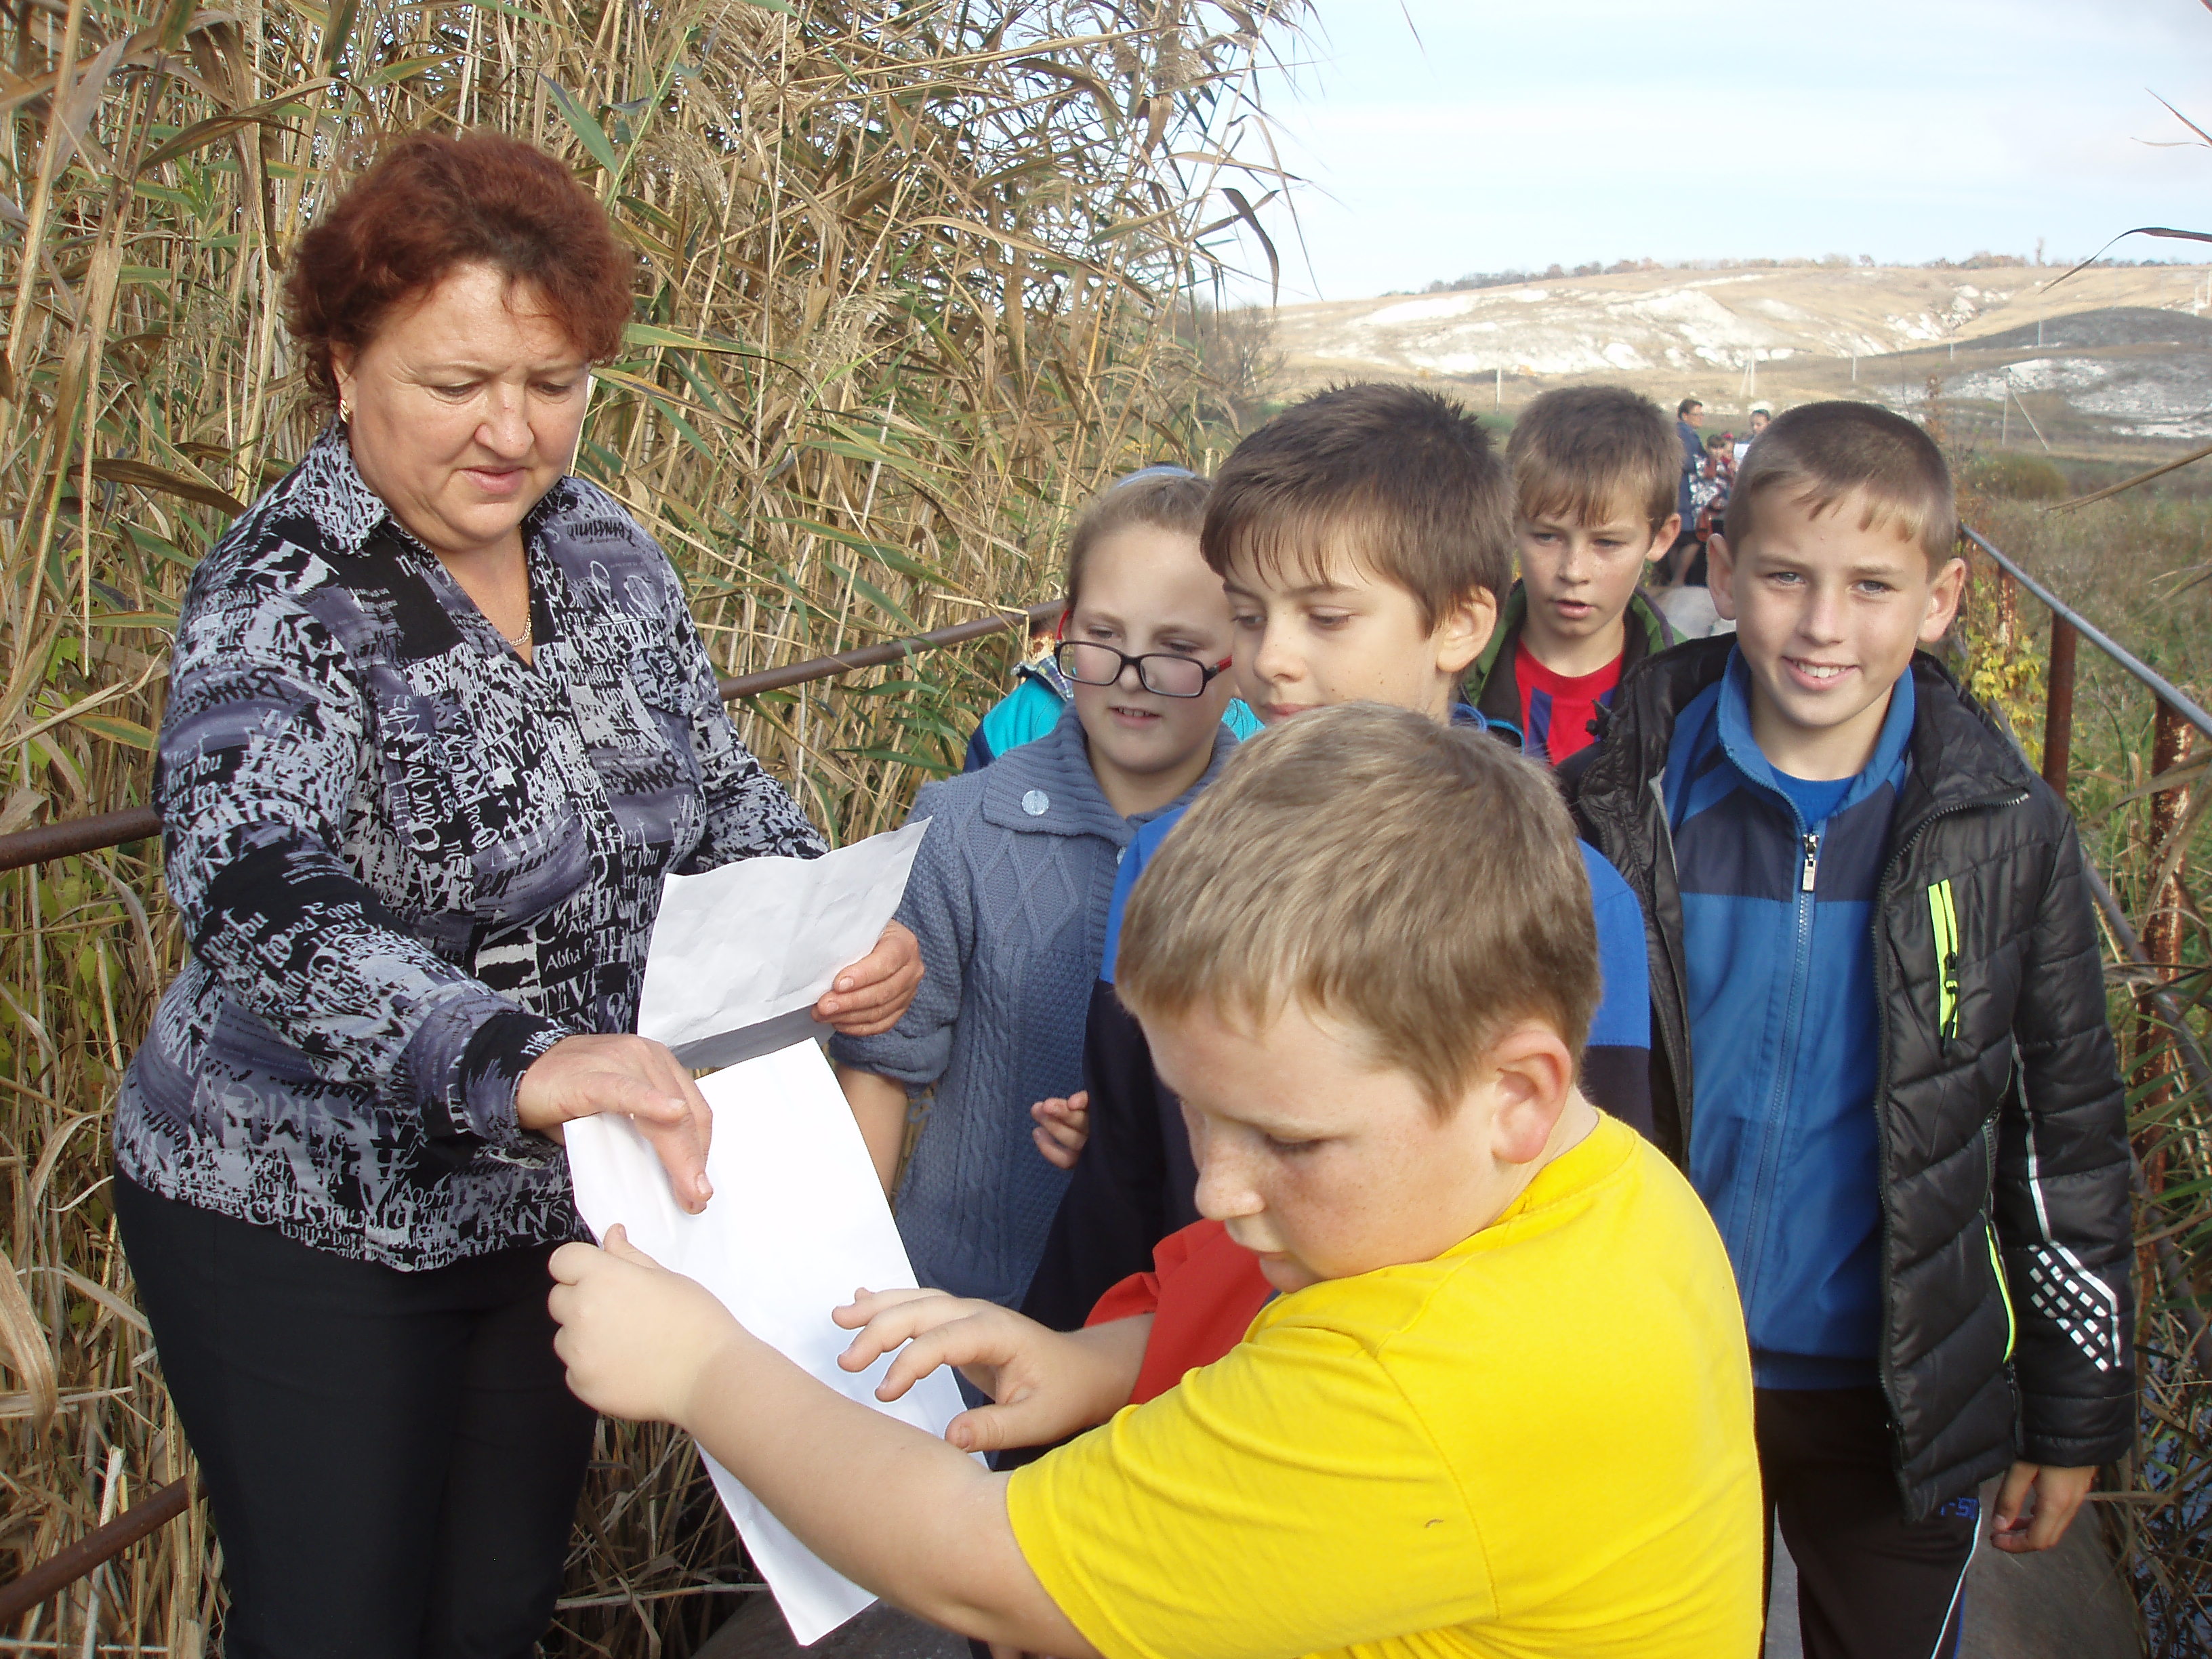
(431, 203)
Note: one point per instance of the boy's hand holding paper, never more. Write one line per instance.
(635, 1338)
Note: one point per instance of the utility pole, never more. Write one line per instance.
(1498, 402)
(2004, 417)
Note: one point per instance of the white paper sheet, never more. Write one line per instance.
(796, 1220)
(740, 954)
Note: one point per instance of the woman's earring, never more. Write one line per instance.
(345, 412)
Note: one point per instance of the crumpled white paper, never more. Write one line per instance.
(796, 1220)
(740, 954)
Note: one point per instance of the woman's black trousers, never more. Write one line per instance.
(391, 1458)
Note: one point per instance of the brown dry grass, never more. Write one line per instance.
(907, 278)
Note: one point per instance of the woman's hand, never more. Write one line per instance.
(637, 1338)
(1062, 1128)
(871, 995)
(1046, 1384)
(582, 1075)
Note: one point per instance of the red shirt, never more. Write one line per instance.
(1557, 709)
(1204, 1291)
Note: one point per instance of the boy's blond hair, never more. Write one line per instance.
(1398, 482)
(1582, 452)
(1420, 882)
(1820, 453)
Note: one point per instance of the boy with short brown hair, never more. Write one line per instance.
(1365, 536)
(1429, 1443)
(1593, 472)
(1882, 1053)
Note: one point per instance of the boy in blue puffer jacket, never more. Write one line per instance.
(1879, 1046)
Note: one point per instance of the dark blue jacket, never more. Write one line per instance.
(1777, 940)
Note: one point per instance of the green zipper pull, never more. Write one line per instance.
(1943, 912)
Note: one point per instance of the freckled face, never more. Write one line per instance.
(1828, 615)
(1147, 591)
(1351, 637)
(1320, 1161)
(1579, 577)
(466, 405)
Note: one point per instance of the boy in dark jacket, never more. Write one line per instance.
(1593, 470)
(1879, 1042)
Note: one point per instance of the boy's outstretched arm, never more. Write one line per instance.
(1045, 1385)
(897, 1510)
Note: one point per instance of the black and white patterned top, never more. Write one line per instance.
(408, 862)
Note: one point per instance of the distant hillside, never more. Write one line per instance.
(2136, 363)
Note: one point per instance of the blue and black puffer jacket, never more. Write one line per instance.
(2003, 1321)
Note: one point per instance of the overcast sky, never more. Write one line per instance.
(1515, 135)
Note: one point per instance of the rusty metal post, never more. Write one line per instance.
(2154, 1057)
(2169, 749)
(2059, 708)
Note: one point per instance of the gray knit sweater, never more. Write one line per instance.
(1009, 898)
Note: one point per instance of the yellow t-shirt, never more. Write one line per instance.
(1538, 1443)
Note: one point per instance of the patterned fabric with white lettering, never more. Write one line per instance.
(408, 862)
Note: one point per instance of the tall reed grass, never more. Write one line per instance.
(2132, 566)
(909, 272)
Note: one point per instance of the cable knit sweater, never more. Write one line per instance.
(1009, 898)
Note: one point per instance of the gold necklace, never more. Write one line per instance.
(520, 641)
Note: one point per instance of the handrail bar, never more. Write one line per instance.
(2177, 700)
(50, 1577)
(71, 836)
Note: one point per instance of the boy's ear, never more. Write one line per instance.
(1535, 1078)
(1662, 536)
(1720, 574)
(1943, 595)
(1462, 631)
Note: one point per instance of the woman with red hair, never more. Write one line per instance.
(438, 723)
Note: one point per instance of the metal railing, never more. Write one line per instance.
(74, 836)
(2151, 957)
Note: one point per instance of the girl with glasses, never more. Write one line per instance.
(1010, 892)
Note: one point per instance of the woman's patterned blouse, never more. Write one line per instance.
(408, 862)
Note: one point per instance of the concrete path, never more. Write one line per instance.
(2068, 1603)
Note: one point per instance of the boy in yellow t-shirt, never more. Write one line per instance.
(1503, 1403)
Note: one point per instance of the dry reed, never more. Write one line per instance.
(909, 275)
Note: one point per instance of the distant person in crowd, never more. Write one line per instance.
(1882, 1053)
(1365, 535)
(1593, 478)
(1689, 416)
(1497, 1399)
(438, 723)
(1041, 693)
(1008, 893)
(1717, 478)
(1760, 416)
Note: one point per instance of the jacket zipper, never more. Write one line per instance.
(1882, 988)
(1685, 1084)
(1778, 1113)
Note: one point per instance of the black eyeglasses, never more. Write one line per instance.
(1089, 662)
